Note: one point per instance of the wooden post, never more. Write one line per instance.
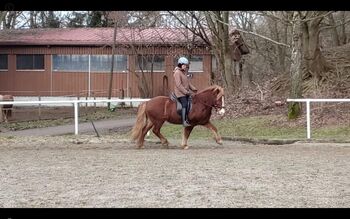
(95, 103)
(1, 114)
(78, 98)
(122, 104)
(86, 106)
(130, 96)
(39, 108)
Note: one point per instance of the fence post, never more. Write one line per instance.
(76, 117)
(39, 108)
(308, 120)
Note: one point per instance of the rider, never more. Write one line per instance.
(183, 88)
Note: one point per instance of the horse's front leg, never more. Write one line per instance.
(185, 136)
(210, 126)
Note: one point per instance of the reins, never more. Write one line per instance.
(212, 106)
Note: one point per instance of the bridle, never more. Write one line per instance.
(215, 106)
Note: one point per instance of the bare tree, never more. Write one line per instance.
(296, 73)
(9, 19)
(343, 37)
(114, 17)
(144, 18)
(33, 23)
(334, 33)
(307, 59)
(316, 65)
(213, 28)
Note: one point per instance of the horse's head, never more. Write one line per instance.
(220, 100)
(213, 96)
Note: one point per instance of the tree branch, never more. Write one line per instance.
(332, 26)
(249, 32)
(264, 37)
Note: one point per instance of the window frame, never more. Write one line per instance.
(30, 69)
(115, 69)
(7, 64)
(69, 70)
(137, 67)
(89, 57)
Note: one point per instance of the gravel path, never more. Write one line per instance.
(85, 171)
(86, 127)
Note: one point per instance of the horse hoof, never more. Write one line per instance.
(219, 142)
(185, 148)
(141, 147)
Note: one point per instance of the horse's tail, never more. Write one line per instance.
(141, 122)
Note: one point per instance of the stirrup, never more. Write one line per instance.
(186, 124)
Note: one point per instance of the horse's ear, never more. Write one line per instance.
(218, 92)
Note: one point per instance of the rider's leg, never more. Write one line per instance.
(183, 101)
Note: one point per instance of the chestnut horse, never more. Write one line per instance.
(153, 114)
(6, 110)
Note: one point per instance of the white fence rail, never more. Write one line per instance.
(75, 104)
(308, 117)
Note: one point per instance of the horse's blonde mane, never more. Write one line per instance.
(214, 88)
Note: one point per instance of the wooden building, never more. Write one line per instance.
(77, 61)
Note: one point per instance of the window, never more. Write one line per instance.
(102, 63)
(78, 63)
(30, 62)
(144, 62)
(3, 62)
(196, 63)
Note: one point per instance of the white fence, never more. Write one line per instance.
(308, 117)
(75, 103)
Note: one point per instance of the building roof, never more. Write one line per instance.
(94, 36)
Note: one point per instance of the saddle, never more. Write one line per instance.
(178, 103)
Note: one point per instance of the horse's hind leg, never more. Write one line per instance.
(156, 130)
(210, 126)
(145, 129)
(185, 136)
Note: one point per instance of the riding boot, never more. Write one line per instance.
(184, 118)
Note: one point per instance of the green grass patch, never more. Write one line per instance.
(260, 127)
(256, 127)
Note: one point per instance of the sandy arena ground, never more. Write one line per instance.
(85, 171)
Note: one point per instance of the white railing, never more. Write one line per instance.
(308, 117)
(75, 103)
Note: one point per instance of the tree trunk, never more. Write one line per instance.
(228, 71)
(247, 75)
(226, 50)
(43, 19)
(220, 34)
(143, 86)
(143, 83)
(335, 36)
(343, 37)
(31, 19)
(279, 33)
(294, 108)
(282, 51)
(112, 65)
(315, 62)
